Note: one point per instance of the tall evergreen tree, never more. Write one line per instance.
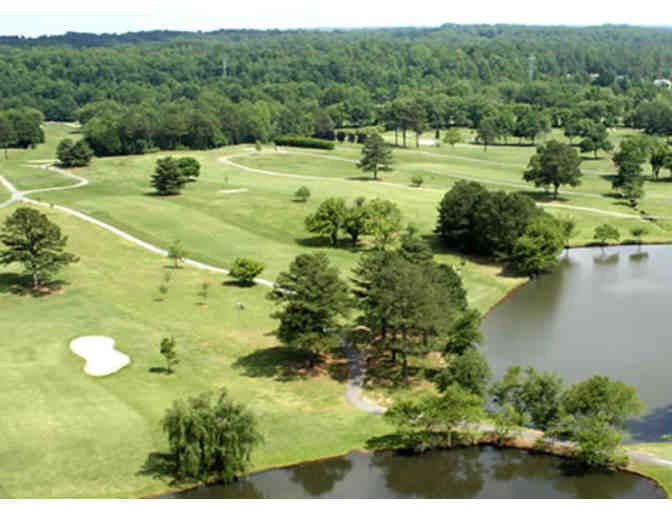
(315, 299)
(34, 241)
(376, 156)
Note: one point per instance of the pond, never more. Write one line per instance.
(475, 472)
(601, 312)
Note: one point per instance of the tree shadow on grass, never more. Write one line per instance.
(160, 370)
(364, 178)
(543, 196)
(324, 242)
(22, 285)
(279, 363)
(339, 370)
(238, 283)
(385, 373)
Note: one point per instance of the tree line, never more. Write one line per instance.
(307, 83)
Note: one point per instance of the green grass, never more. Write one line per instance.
(67, 434)
(660, 474)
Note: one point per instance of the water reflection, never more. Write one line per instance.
(459, 473)
(599, 312)
(640, 256)
(476, 472)
(606, 259)
(320, 477)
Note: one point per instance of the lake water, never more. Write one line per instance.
(475, 472)
(601, 312)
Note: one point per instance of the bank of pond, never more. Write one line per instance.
(602, 311)
(470, 472)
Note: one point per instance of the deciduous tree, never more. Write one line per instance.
(554, 164)
(328, 219)
(210, 441)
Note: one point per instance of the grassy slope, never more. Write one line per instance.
(215, 227)
(66, 434)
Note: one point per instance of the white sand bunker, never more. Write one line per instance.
(427, 142)
(242, 190)
(100, 355)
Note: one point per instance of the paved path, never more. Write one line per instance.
(353, 393)
(353, 389)
(227, 160)
(20, 196)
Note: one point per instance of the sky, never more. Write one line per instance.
(40, 17)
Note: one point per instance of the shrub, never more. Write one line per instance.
(245, 270)
(340, 136)
(417, 180)
(302, 194)
(302, 141)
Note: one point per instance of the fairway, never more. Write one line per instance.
(62, 429)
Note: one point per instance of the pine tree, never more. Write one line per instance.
(314, 299)
(32, 240)
(376, 156)
(168, 178)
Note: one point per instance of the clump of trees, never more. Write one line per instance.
(20, 128)
(73, 154)
(30, 239)
(508, 226)
(591, 413)
(382, 219)
(172, 174)
(210, 439)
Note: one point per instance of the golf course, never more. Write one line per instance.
(69, 434)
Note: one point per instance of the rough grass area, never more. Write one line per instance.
(69, 435)
(66, 434)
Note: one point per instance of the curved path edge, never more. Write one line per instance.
(353, 392)
(227, 160)
(20, 196)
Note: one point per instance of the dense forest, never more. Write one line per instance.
(163, 89)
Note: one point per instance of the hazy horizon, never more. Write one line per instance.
(38, 18)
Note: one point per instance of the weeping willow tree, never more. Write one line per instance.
(210, 442)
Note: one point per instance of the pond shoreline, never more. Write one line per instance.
(487, 440)
(519, 443)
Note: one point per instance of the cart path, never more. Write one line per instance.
(21, 196)
(353, 392)
(227, 160)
